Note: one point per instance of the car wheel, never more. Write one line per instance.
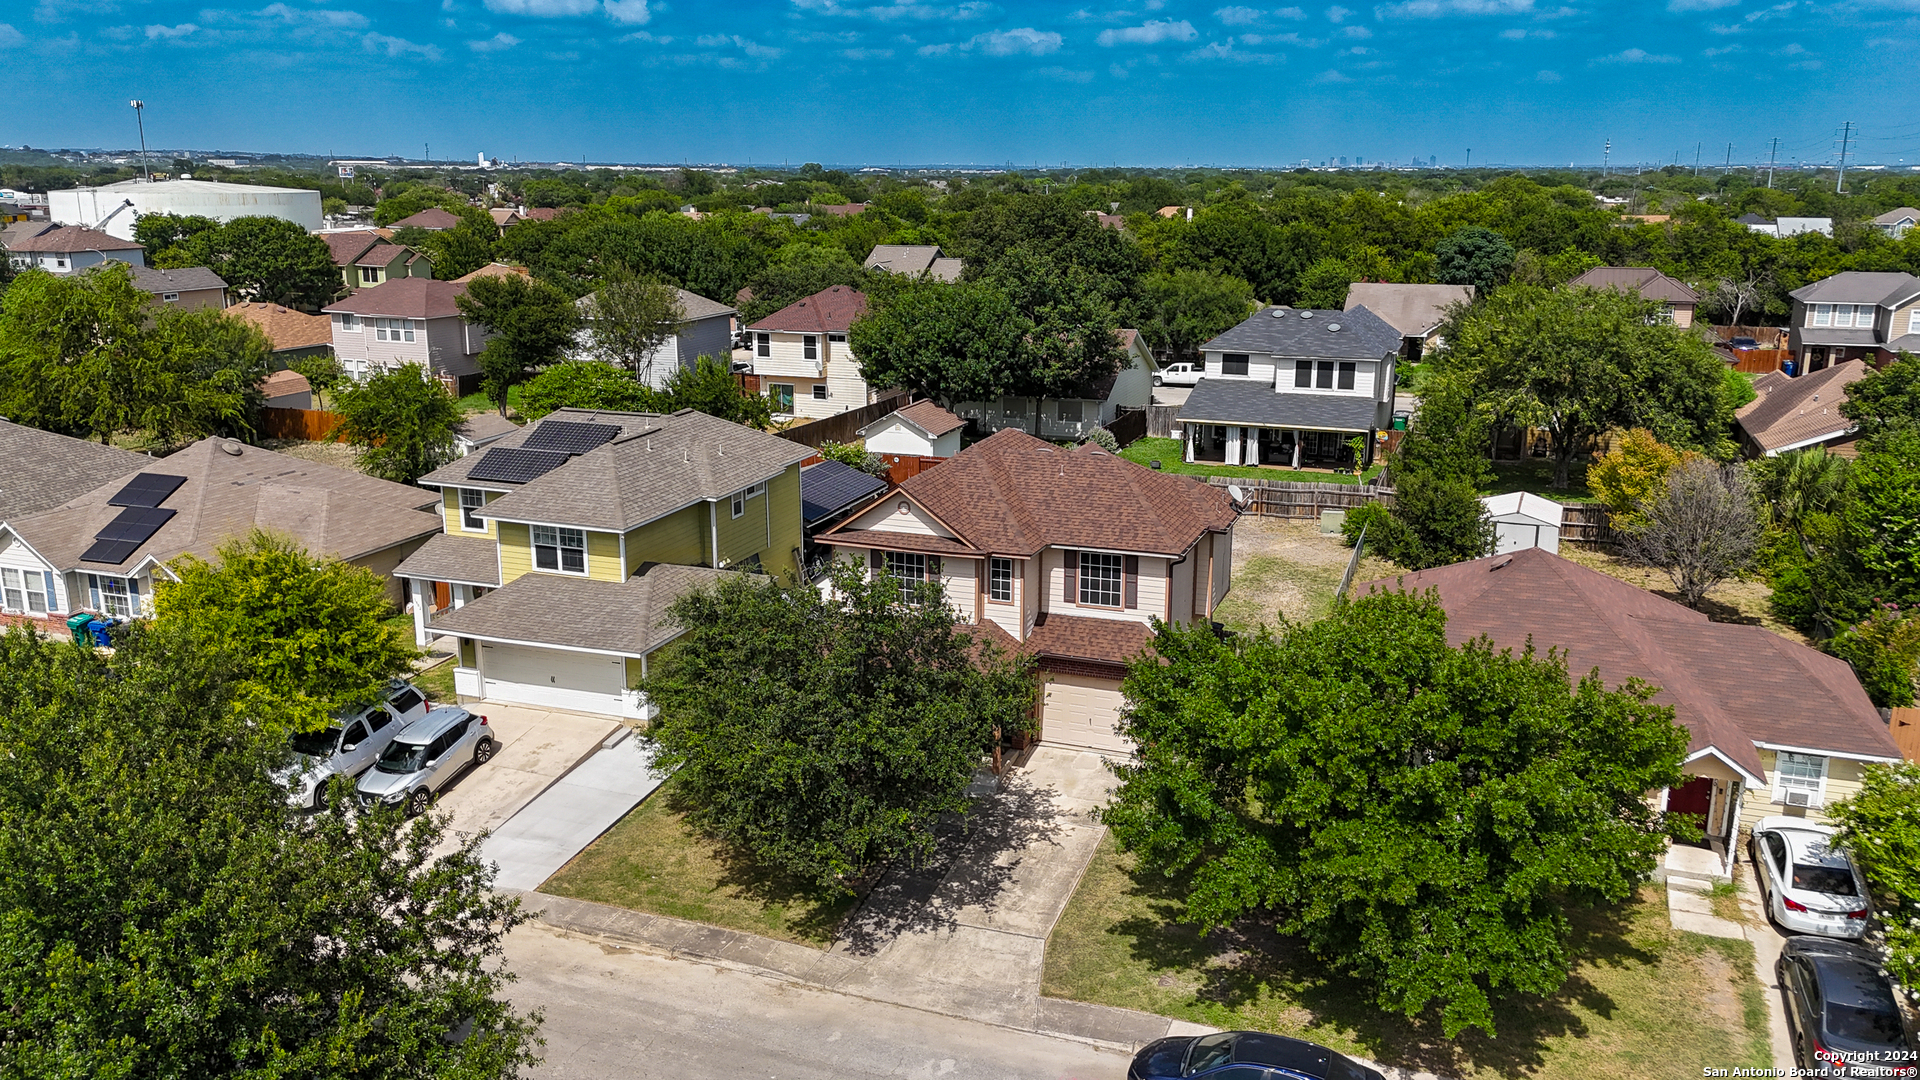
(1156, 381)
(320, 796)
(418, 802)
(483, 752)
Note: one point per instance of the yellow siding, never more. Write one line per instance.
(783, 498)
(745, 536)
(450, 510)
(603, 557)
(1843, 780)
(516, 551)
(633, 672)
(680, 538)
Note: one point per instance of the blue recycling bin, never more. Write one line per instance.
(99, 628)
(1792, 368)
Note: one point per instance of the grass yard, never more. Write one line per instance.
(653, 861)
(478, 401)
(436, 682)
(1170, 452)
(1287, 568)
(1644, 1000)
(1536, 475)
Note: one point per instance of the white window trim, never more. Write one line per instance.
(1012, 577)
(170, 298)
(464, 527)
(762, 344)
(1119, 581)
(586, 561)
(1780, 788)
(348, 321)
(737, 505)
(1913, 321)
(1821, 315)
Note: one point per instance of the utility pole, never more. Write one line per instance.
(1696, 157)
(140, 119)
(1839, 183)
(1771, 155)
(1728, 166)
(1606, 157)
(429, 147)
(1469, 157)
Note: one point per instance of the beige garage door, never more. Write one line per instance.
(1081, 711)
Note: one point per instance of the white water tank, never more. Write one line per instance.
(113, 209)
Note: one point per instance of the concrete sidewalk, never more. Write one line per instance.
(570, 814)
(533, 748)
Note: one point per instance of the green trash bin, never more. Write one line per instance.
(78, 625)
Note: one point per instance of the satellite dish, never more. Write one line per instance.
(1234, 493)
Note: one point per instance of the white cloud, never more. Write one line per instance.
(300, 19)
(1723, 50)
(1331, 76)
(1238, 16)
(629, 12)
(9, 37)
(1521, 35)
(1060, 74)
(396, 47)
(1024, 39)
(866, 54)
(1153, 31)
(170, 33)
(1546, 76)
(1289, 13)
(497, 43)
(642, 35)
(1637, 56)
(1699, 5)
(1360, 32)
(895, 10)
(747, 45)
(1277, 39)
(1224, 51)
(1794, 49)
(1434, 9)
(542, 8)
(1337, 13)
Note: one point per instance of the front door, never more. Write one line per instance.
(442, 595)
(1693, 797)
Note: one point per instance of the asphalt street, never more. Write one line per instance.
(622, 1012)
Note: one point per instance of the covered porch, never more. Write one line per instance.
(1280, 447)
(1710, 793)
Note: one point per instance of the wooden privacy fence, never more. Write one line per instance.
(1296, 501)
(904, 467)
(845, 428)
(1587, 525)
(1129, 427)
(1161, 422)
(1769, 337)
(1904, 726)
(1758, 361)
(311, 425)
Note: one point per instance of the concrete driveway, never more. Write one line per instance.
(570, 814)
(533, 748)
(1171, 395)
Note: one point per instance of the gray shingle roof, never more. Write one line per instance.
(185, 279)
(656, 465)
(1246, 401)
(1414, 310)
(694, 306)
(1280, 331)
(1859, 287)
(1827, 335)
(44, 470)
(624, 617)
(468, 560)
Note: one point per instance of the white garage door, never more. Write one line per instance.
(582, 682)
(1080, 711)
(1514, 535)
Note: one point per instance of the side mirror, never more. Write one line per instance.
(350, 748)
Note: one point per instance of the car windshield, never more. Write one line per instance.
(402, 758)
(316, 743)
(1208, 1051)
(1831, 880)
(1861, 1025)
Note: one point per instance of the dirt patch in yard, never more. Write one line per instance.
(1287, 569)
(326, 453)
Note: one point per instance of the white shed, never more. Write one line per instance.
(922, 429)
(1522, 519)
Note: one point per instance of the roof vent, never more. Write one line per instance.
(1333, 328)
(1279, 313)
(231, 446)
(1500, 564)
(1306, 314)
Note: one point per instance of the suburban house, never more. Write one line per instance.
(1678, 301)
(66, 249)
(45, 469)
(287, 389)
(1065, 554)
(189, 288)
(408, 321)
(922, 429)
(481, 430)
(433, 219)
(101, 550)
(294, 334)
(1522, 519)
(561, 544)
(706, 330)
(1096, 404)
(367, 258)
(1291, 387)
(801, 358)
(1895, 223)
(1415, 310)
(829, 491)
(1774, 727)
(1793, 413)
(914, 260)
(494, 269)
(1858, 315)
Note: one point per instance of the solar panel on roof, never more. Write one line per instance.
(147, 489)
(516, 465)
(111, 552)
(135, 524)
(830, 486)
(569, 436)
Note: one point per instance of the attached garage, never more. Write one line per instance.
(1082, 712)
(553, 678)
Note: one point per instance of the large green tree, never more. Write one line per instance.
(1885, 400)
(270, 260)
(161, 916)
(1475, 256)
(585, 384)
(1420, 816)
(1880, 827)
(628, 319)
(401, 420)
(709, 386)
(826, 732)
(953, 343)
(1187, 308)
(532, 324)
(1438, 473)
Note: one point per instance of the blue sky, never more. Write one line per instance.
(1130, 82)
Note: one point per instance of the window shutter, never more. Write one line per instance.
(52, 598)
(1070, 581)
(873, 559)
(1131, 598)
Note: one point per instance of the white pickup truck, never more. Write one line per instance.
(1178, 375)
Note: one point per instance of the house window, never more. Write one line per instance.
(1000, 580)
(819, 391)
(910, 568)
(1014, 408)
(1323, 376)
(115, 600)
(60, 262)
(1069, 410)
(1233, 363)
(1100, 579)
(1347, 368)
(345, 321)
(170, 298)
(1799, 772)
(393, 330)
(1823, 315)
(810, 347)
(1303, 374)
(763, 344)
(782, 395)
(738, 504)
(23, 591)
(564, 550)
(1913, 321)
(369, 275)
(838, 339)
(472, 500)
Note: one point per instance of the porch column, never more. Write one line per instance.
(1233, 445)
(461, 595)
(1192, 437)
(420, 601)
(1298, 438)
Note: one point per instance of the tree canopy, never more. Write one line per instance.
(401, 420)
(1880, 827)
(531, 323)
(267, 259)
(1420, 816)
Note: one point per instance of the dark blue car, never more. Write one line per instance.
(1243, 1055)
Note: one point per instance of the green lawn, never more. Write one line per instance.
(1644, 1000)
(1169, 453)
(1536, 475)
(652, 860)
(436, 683)
(478, 401)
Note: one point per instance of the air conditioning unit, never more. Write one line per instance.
(1799, 798)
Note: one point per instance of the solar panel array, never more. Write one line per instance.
(124, 534)
(828, 487)
(516, 465)
(569, 437)
(147, 489)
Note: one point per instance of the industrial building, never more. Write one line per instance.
(114, 208)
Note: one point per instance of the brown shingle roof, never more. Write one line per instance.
(44, 470)
(930, 418)
(1790, 412)
(1014, 494)
(407, 298)
(827, 311)
(494, 269)
(1730, 686)
(285, 327)
(1651, 284)
(383, 254)
(348, 246)
(68, 239)
(1414, 310)
(1075, 637)
(282, 383)
(431, 218)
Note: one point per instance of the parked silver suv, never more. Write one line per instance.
(425, 757)
(350, 745)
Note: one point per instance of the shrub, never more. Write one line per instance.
(1103, 439)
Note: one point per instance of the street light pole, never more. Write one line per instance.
(139, 118)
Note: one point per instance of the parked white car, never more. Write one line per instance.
(1810, 886)
(350, 745)
(1178, 375)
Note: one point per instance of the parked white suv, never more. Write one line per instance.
(1810, 886)
(350, 745)
(1179, 375)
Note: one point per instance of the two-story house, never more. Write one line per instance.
(67, 249)
(366, 259)
(1857, 315)
(1065, 554)
(801, 358)
(1677, 301)
(705, 329)
(564, 542)
(1069, 417)
(408, 321)
(1290, 387)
